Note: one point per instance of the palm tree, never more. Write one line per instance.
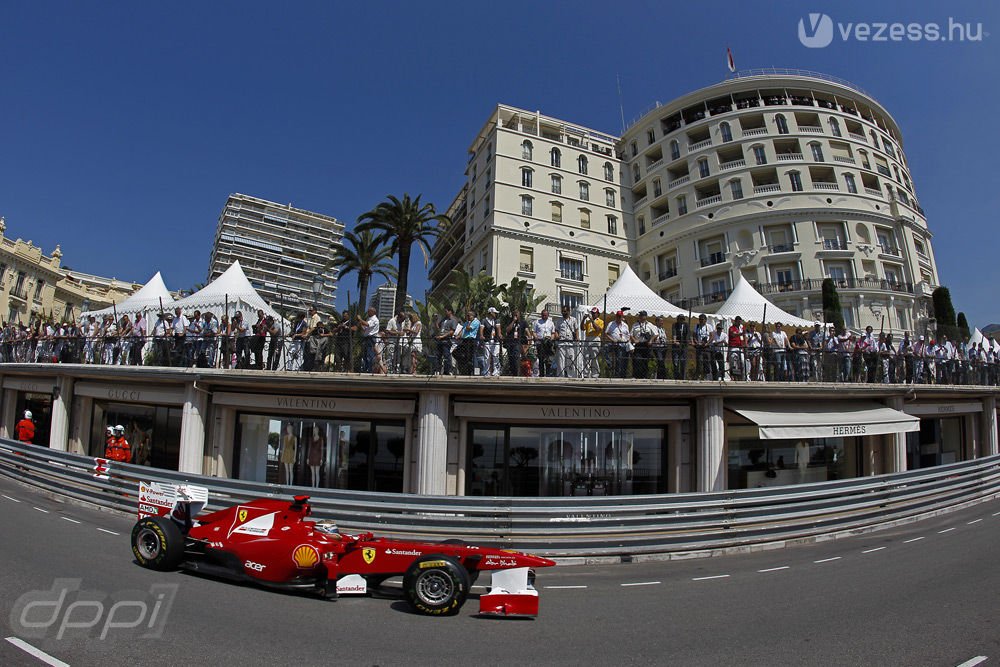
(401, 224)
(477, 292)
(363, 254)
(519, 296)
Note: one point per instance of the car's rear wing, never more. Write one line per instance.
(182, 502)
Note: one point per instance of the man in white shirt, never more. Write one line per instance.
(179, 328)
(396, 343)
(569, 336)
(489, 332)
(545, 332)
(369, 331)
(718, 342)
(779, 347)
(703, 358)
(618, 334)
(641, 337)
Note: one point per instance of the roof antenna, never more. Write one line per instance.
(621, 107)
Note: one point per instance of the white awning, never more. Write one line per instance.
(790, 421)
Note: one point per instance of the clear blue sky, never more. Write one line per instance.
(125, 125)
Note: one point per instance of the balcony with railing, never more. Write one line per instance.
(846, 159)
(834, 244)
(892, 251)
(884, 170)
(640, 201)
(766, 189)
(668, 273)
(708, 201)
(781, 247)
(654, 164)
(755, 132)
(732, 164)
(789, 157)
(699, 145)
(713, 259)
(19, 292)
(571, 273)
(679, 181)
(825, 185)
(811, 129)
(660, 219)
(816, 284)
(873, 192)
(857, 137)
(704, 299)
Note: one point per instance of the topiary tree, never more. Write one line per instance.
(944, 313)
(963, 326)
(833, 312)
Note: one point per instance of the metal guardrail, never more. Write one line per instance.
(622, 526)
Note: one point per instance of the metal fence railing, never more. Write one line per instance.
(827, 361)
(622, 526)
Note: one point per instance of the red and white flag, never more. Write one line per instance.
(729, 60)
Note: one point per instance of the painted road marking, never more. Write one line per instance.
(868, 551)
(38, 653)
(17, 501)
(717, 576)
(827, 560)
(946, 530)
(973, 521)
(775, 569)
(564, 587)
(643, 583)
(109, 532)
(972, 662)
(39, 509)
(66, 518)
(915, 539)
(994, 514)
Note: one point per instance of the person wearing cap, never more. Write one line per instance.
(641, 337)
(703, 357)
(618, 335)
(24, 430)
(592, 329)
(568, 335)
(489, 343)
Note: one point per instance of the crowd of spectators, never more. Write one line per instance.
(466, 344)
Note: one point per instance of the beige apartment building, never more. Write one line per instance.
(542, 202)
(35, 285)
(787, 178)
(782, 176)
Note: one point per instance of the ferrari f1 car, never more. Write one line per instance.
(270, 542)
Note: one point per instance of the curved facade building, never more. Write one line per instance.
(787, 178)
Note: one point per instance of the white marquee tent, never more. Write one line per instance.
(977, 337)
(232, 290)
(749, 304)
(146, 299)
(630, 292)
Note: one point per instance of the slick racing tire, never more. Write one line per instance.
(157, 543)
(436, 585)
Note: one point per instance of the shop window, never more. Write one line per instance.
(754, 462)
(153, 432)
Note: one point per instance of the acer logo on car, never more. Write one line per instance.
(256, 567)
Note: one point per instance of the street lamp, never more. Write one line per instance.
(318, 283)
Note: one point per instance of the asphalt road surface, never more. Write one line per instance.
(921, 594)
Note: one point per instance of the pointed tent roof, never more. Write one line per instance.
(749, 304)
(630, 292)
(147, 298)
(231, 288)
(978, 337)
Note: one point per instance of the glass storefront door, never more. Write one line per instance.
(40, 406)
(754, 462)
(152, 431)
(560, 461)
(938, 441)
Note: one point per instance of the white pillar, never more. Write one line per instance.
(59, 423)
(432, 443)
(711, 444)
(895, 442)
(7, 420)
(192, 449)
(988, 427)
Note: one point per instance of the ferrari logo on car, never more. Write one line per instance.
(368, 554)
(305, 556)
(242, 516)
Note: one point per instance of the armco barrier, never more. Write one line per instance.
(625, 526)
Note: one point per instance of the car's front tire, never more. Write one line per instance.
(436, 585)
(157, 543)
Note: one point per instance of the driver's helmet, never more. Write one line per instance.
(328, 526)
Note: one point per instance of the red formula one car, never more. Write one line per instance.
(270, 542)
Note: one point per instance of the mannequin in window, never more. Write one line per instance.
(802, 455)
(289, 443)
(317, 447)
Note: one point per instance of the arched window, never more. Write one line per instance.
(635, 173)
(817, 151)
(526, 150)
(675, 149)
(782, 124)
(736, 188)
(726, 132)
(527, 176)
(581, 164)
(526, 205)
(585, 218)
(609, 172)
(584, 190)
(555, 157)
(852, 185)
(682, 205)
(796, 180)
(703, 167)
(556, 184)
(835, 127)
(609, 197)
(556, 211)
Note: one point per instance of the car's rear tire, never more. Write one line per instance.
(157, 543)
(436, 585)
